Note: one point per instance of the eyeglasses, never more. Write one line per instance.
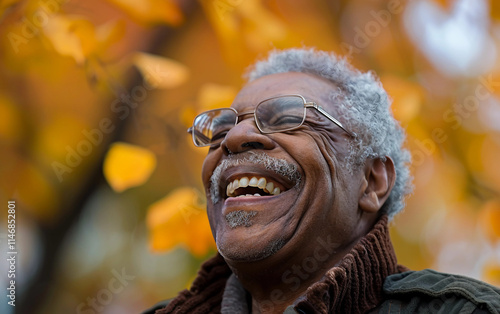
(272, 115)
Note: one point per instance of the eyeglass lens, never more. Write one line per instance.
(279, 114)
(211, 126)
(273, 115)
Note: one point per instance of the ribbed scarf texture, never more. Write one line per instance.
(354, 286)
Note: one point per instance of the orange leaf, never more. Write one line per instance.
(151, 11)
(78, 38)
(160, 72)
(128, 166)
(179, 219)
(239, 30)
(109, 33)
(67, 36)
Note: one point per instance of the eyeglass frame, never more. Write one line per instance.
(307, 104)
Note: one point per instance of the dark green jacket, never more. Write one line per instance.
(367, 280)
(429, 291)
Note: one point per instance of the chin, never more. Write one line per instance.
(246, 251)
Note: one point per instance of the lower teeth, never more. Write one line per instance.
(256, 194)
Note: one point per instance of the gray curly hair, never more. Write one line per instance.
(365, 110)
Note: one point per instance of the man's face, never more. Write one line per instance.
(318, 198)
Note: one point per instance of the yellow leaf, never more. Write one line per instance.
(238, 29)
(70, 36)
(110, 32)
(151, 11)
(160, 72)
(78, 38)
(179, 219)
(128, 166)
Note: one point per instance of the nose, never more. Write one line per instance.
(245, 136)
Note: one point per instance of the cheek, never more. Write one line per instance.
(211, 219)
(209, 165)
(312, 155)
(325, 152)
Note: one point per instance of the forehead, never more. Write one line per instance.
(312, 87)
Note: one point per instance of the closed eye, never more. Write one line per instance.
(287, 120)
(219, 135)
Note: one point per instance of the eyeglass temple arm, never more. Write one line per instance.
(326, 114)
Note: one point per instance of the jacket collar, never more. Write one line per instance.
(354, 286)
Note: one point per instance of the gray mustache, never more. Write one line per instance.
(278, 166)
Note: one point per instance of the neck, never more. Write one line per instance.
(277, 281)
(354, 285)
(313, 280)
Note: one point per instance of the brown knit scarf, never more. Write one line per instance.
(354, 286)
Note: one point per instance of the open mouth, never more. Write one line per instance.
(253, 186)
(254, 174)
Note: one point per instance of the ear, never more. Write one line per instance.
(377, 184)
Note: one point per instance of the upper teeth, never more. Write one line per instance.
(260, 183)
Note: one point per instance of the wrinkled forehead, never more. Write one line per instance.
(312, 87)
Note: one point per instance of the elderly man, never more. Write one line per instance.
(303, 174)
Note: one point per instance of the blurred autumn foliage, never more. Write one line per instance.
(95, 98)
